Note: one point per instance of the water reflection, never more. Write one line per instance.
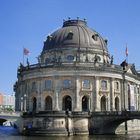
(9, 133)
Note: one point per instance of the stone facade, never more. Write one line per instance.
(75, 73)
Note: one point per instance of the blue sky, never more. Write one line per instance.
(26, 23)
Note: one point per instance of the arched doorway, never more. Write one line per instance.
(103, 103)
(117, 104)
(67, 103)
(34, 104)
(48, 103)
(85, 103)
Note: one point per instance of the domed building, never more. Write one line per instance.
(74, 76)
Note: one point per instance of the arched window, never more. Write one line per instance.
(85, 103)
(104, 85)
(67, 84)
(70, 35)
(103, 103)
(67, 103)
(34, 104)
(117, 104)
(95, 37)
(48, 103)
(70, 58)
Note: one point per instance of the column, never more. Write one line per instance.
(40, 107)
(96, 97)
(126, 95)
(122, 96)
(21, 104)
(137, 88)
(112, 102)
(56, 100)
(25, 103)
(91, 97)
(138, 97)
(57, 88)
(78, 104)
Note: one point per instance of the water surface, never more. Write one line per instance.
(9, 133)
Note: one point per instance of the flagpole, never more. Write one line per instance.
(127, 59)
(23, 56)
(126, 53)
(25, 53)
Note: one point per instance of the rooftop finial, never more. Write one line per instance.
(77, 18)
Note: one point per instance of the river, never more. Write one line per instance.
(9, 133)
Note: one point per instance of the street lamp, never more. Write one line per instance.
(124, 65)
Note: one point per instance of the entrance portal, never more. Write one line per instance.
(48, 103)
(67, 103)
(85, 106)
(103, 103)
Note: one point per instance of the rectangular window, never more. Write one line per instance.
(86, 84)
(48, 84)
(67, 83)
(117, 86)
(104, 85)
(34, 86)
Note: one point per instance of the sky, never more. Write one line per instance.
(26, 24)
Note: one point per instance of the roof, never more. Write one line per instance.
(76, 34)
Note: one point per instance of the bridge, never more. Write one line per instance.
(95, 122)
(9, 116)
(107, 122)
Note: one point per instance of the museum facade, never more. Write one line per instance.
(75, 73)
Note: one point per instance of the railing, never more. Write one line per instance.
(10, 113)
(100, 66)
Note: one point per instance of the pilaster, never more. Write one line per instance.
(57, 86)
(112, 99)
(77, 95)
(97, 100)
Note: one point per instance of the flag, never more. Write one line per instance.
(25, 51)
(126, 51)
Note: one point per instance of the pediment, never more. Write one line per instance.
(131, 69)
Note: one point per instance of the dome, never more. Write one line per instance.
(75, 34)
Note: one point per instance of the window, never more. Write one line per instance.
(86, 84)
(70, 35)
(95, 37)
(47, 61)
(33, 86)
(48, 84)
(104, 85)
(116, 85)
(67, 83)
(70, 58)
(26, 87)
